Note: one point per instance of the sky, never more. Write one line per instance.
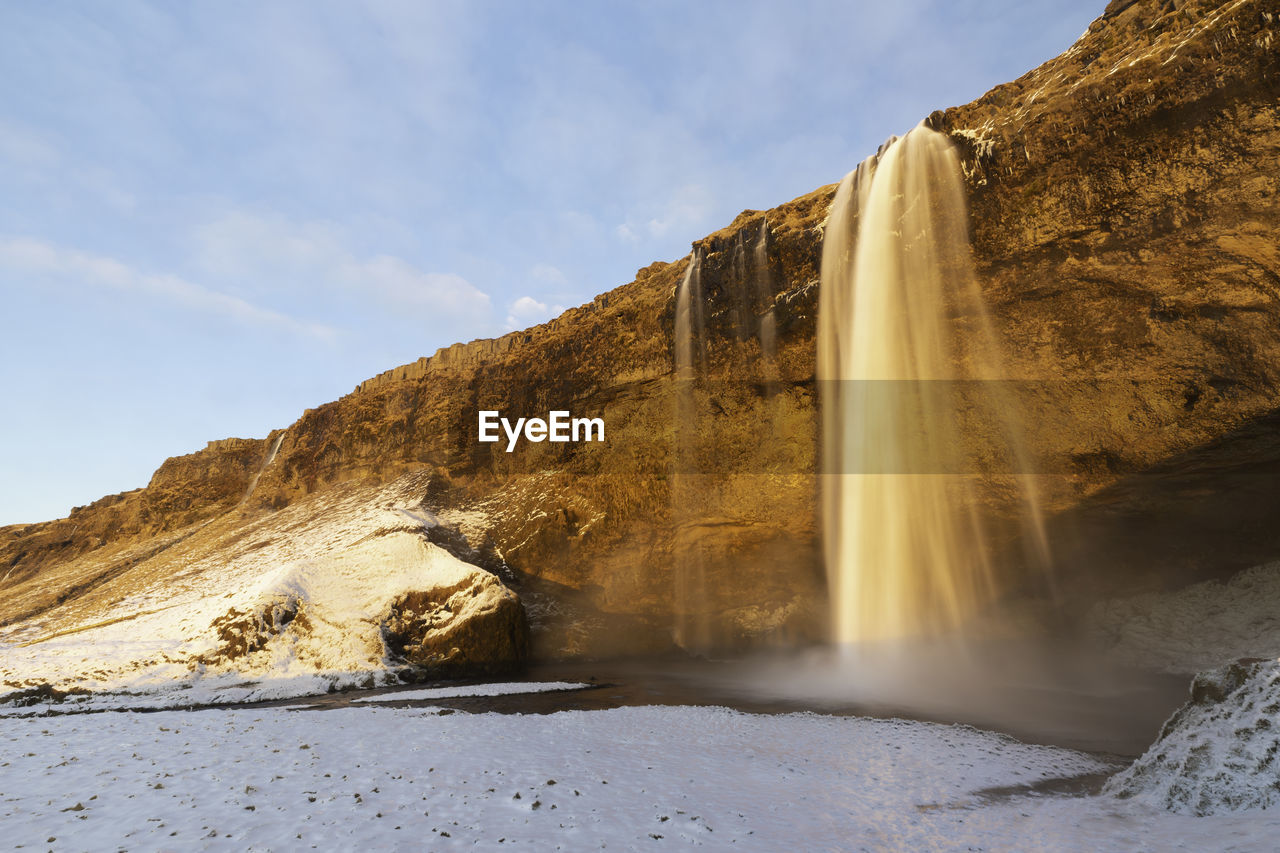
(214, 215)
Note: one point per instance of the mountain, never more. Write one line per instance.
(1126, 233)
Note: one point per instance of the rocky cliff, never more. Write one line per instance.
(1125, 228)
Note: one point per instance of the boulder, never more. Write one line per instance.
(471, 629)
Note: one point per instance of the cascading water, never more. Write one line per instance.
(762, 283)
(741, 288)
(743, 302)
(690, 325)
(271, 455)
(909, 369)
(691, 629)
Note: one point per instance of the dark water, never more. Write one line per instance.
(1080, 705)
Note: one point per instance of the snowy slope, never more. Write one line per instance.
(1199, 627)
(282, 605)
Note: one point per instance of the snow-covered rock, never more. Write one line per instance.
(1195, 628)
(345, 588)
(394, 598)
(1217, 753)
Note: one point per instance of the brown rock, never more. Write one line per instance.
(477, 629)
(1125, 224)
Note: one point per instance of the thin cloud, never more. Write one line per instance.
(548, 274)
(23, 147)
(32, 256)
(286, 254)
(686, 211)
(399, 281)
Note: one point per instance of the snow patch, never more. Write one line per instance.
(649, 778)
(494, 689)
(652, 778)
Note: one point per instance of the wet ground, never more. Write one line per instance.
(1119, 716)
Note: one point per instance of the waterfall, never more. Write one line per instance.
(271, 455)
(913, 406)
(762, 284)
(742, 289)
(690, 325)
(691, 629)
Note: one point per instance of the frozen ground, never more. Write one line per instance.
(626, 778)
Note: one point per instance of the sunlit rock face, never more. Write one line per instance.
(1124, 222)
(1124, 215)
(1218, 753)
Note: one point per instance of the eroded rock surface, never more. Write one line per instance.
(475, 628)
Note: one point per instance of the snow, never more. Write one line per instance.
(1218, 753)
(508, 689)
(1195, 628)
(340, 558)
(628, 778)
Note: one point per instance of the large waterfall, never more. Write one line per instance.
(913, 402)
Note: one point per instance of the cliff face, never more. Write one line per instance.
(1125, 213)
(1125, 230)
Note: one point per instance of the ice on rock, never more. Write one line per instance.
(1218, 752)
(1195, 628)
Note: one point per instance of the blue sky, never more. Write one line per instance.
(216, 214)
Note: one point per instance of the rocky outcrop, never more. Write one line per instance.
(476, 628)
(341, 588)
(240, 633)
(185, 490)
(1218, 753)
(1125, 221)
(1124, 209)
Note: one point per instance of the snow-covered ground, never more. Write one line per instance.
(626, 778)
(163, 634)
